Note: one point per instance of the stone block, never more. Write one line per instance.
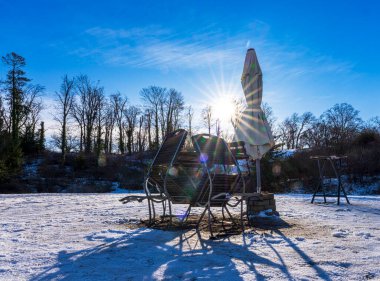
(272, 207)
(256, 208)
(261, 202)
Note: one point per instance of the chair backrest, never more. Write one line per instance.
(238, 150)
(214, 151)
(170, 147)
(165, 157)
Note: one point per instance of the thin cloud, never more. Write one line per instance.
(157, 47)
(154, 47)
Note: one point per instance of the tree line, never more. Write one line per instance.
(336, 128)
(92, 121)
(89, 120)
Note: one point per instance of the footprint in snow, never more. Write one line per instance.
(364, 235)
(300, 238)
(341, 233)
(343, 210)
(273, 240)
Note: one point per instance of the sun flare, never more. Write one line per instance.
(221, 93)
(223, 108)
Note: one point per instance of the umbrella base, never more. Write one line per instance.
(263, 202)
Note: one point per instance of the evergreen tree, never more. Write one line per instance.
(13, 86)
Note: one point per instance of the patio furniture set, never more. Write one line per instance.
(211, 174)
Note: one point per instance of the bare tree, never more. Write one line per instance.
(30, 117)
(109, 124)
(148, 119)
(317, 135)
(218, 129)
(141, 134)
(294, 127)
(86, 109)
(131, 114)
(306, 121)
(77, 113)
(268, 113)
(174, 107)
(343, 123)
(119, 104)
(154, 98)
(99, 124)
(65, 100)
(72, 142)
(190, 115)
(207, 118)
(239, 105)
(374, 124)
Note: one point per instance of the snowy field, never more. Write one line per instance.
(89, 237)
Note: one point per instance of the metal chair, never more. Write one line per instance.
(159, 186)
(222, 176)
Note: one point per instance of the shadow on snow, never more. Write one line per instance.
(146, 254)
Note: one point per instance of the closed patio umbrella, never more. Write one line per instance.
(252, 127)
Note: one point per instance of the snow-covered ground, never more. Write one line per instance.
(89, 237)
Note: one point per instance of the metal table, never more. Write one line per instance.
(336, 163)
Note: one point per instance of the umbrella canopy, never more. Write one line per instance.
(252, 127)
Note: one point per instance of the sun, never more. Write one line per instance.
(223, 107)
(220, 92)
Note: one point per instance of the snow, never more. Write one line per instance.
(285, 153)
(95, 237)
(264, 214)
(31, 169)
(371, 185)
(115, 188)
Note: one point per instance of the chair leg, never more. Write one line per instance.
(223, 215)
(170, 213)
(230, 215)
(187, 213)
(241, 214)
(163, 209)
(153, 211)
(213, 217)
(150, 213)
(209, 222)
(200, 219)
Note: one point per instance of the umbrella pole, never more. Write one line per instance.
(258, 175)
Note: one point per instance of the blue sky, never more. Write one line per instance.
(313, 53)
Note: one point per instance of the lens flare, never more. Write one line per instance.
(203, 158)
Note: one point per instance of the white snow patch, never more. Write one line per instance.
(285, 153)
(85, 237)
(31, 169)
(340, 233)
(115, 188)
(363, 234)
